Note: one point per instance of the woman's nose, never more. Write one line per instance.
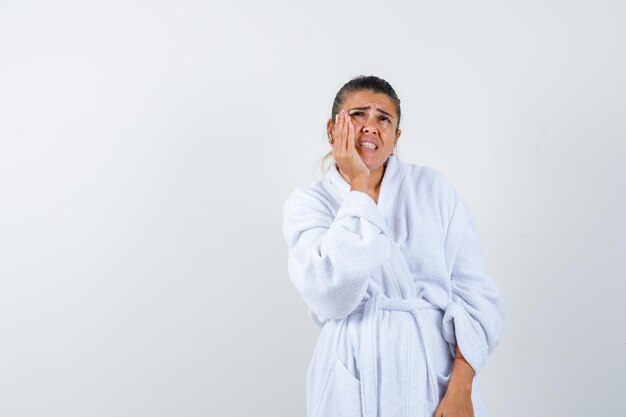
(367, 128)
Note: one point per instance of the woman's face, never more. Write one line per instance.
(374, 118)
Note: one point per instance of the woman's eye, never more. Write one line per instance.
(360, 114)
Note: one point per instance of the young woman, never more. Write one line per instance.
(387, 258)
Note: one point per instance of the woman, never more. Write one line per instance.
(388, 259)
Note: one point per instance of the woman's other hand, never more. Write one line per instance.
(343, 143)
(455, 403)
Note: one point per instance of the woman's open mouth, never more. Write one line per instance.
(367, 146)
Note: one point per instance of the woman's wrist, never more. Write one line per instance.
(462, 376)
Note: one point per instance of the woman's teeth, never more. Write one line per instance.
(368, 145)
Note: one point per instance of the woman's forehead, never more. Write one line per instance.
(368, 98)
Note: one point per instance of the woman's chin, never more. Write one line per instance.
(368, 158)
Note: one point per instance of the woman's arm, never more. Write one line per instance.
(332, 256)
(457, 400)
(462, 374)
(475, 313)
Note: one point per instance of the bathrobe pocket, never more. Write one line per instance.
(342, 395)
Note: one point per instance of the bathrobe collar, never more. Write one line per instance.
(389, 187)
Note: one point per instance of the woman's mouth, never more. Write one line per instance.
(368, 146)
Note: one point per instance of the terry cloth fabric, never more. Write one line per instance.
(394, 286)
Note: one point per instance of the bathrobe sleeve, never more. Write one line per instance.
(331, 257)
(475, 314)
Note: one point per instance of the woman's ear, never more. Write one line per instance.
(329, 127)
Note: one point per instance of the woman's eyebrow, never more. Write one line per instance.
(377, 109)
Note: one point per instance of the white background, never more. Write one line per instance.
(146, 148)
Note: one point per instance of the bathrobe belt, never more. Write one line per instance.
(369, 355)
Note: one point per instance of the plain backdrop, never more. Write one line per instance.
(146, 149)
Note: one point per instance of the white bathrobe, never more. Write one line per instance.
(393, 286)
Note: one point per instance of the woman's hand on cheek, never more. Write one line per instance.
(345, 153)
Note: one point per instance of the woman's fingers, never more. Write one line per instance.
(335, 133)
(344, 148)
(350, 137)
(338, 134)
(342, 133)
(347, 124)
